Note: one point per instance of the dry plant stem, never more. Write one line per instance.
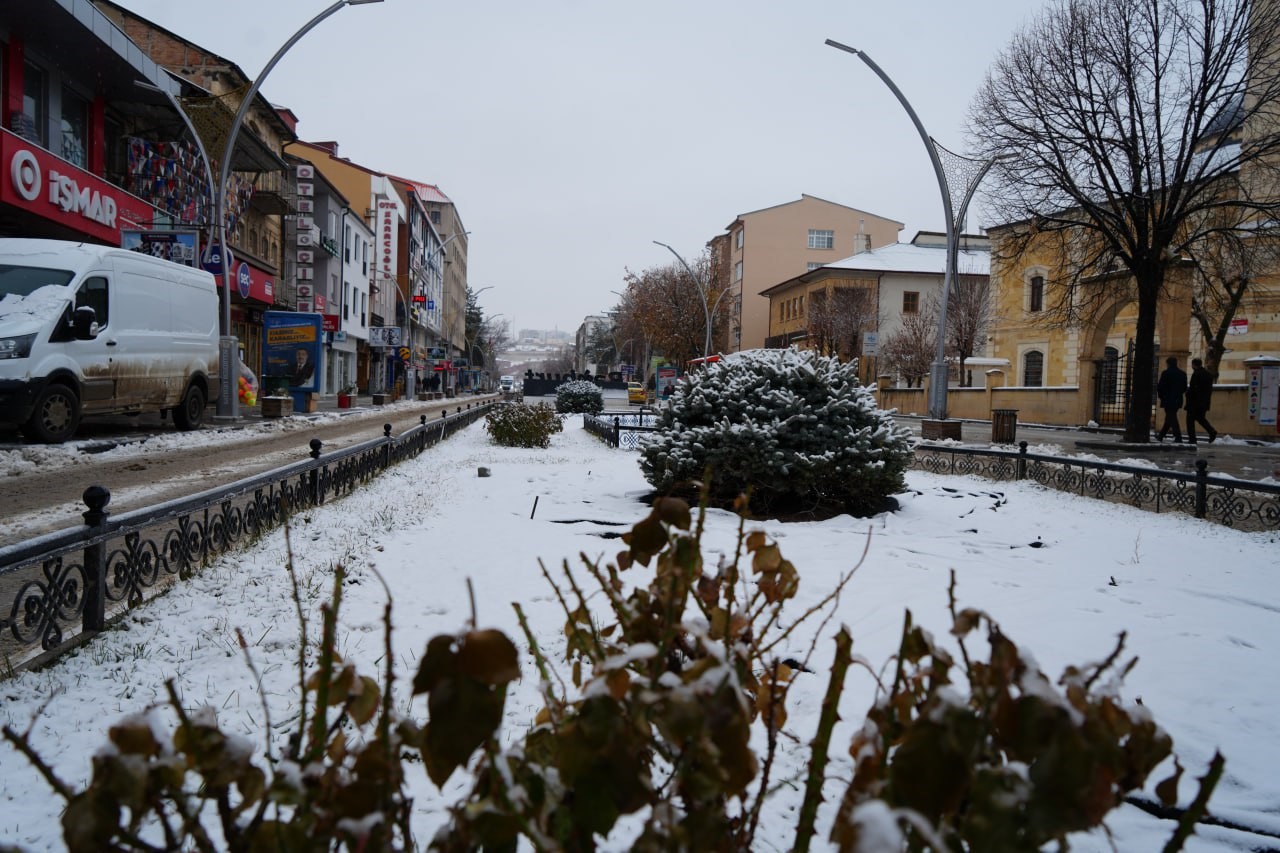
(296, 743)
(471, 596)
(320, 725)
(821, 629)
(1198, 807)
(564, 605)
(822, 742)
(554, 703)
(388, 680)
(262, 693)
(582, 605)
(191, 826)
(21, 744)
(731, 580)
(766, 771)
(951, 606)
(261, 811)
(1109, 662)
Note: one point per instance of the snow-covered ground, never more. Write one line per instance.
(1199, 603)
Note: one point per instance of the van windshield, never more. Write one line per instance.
(23, 281)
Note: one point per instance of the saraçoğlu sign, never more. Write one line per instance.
(48, 186)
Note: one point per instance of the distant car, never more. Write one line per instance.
(507, 384)
(635, 393)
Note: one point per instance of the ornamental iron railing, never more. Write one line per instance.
(1242, 504)
(59, 590)
(621, 430)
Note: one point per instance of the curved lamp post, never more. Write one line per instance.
(228, 400)
(973, 176)
(709, 311)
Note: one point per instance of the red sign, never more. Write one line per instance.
(332, 322)
(36, 181)
(251, 282)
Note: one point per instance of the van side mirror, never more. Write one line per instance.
(85, 323)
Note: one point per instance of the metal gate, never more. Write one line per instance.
(1112, 385)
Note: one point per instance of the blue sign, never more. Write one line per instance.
(243, 280)
(431, 305)
(292, 348)
(213, 258)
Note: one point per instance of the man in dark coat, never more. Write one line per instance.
(1199, 389)
(1170, 388)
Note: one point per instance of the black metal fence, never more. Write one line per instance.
(59, 590)
(621, 430)
(1242, 504)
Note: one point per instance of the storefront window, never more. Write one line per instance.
(34, 123)
(75, 128)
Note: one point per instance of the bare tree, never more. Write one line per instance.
(1113, 116)
(663, 306)
(1226, 268)
(970, 311)
(837, 318)
(910, 350)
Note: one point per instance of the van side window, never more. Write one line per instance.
(93, 293)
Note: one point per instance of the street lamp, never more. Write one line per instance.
(228, 400)
(708, 312)
(973, 172)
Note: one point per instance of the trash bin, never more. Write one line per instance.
(1004, 426)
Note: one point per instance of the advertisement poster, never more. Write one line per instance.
(291, 348)
(667, 375)
(180, 247)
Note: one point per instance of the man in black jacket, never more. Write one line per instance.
(1199, 389)
(1170, 388)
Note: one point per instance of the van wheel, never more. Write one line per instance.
(189, 414)
(56, 416)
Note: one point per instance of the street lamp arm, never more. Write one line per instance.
(707, 311)
(228, 400)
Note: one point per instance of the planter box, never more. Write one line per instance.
(344, 401)
(276, 407)
(381, 399)
(424, 396)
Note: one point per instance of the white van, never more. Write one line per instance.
(94, 330)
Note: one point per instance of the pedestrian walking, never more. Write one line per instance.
(1170, 390)
(1199, 390)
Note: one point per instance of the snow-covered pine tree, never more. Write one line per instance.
(795, 428)
(579, 396)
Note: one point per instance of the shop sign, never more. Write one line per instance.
(50, 187)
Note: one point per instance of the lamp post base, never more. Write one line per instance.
(940, 430)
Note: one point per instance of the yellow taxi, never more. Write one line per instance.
(635, 393)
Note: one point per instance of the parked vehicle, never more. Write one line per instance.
(636, 393)
(94, 330)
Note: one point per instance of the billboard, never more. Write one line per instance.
(181, 247)
(291, 348)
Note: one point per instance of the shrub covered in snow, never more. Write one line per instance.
(518, 425)
(578, 397)
(795, 428)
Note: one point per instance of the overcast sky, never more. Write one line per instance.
(572, 134)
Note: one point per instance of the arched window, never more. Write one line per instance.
(1033, 369)
(1035, 294)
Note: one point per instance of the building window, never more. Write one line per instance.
(33, 124)
(910, 302)
(1033, 369)
(811, 266)
(821, 239)
(737, 271)
(738, 237)
(1035, 297)
(75, 128)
